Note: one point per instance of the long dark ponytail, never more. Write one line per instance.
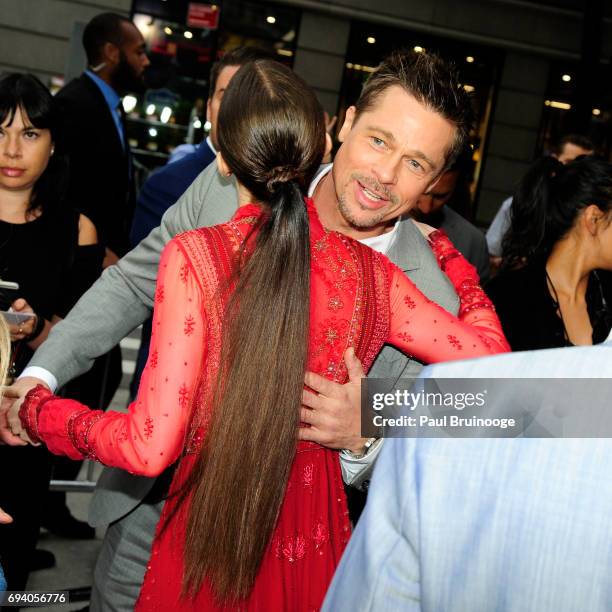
(547, 203)
(271, 134)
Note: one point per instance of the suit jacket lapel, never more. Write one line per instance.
(406, 249)
(411, 252)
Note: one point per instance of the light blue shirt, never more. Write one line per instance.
(487, 525)
(112, 100)
(498, 228)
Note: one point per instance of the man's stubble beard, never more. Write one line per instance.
(373, 219)
(125, 80)
(354, 221)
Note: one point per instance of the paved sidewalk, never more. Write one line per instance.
(75, 558)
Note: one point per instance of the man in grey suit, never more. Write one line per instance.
(405, 129)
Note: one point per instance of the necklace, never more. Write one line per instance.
(555, 298)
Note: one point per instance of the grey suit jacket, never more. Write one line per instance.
(123, 297)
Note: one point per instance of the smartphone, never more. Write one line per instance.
(16, 318)
(9, 292)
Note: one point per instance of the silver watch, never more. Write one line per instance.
(365, 449)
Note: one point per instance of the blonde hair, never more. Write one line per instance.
(5, 351)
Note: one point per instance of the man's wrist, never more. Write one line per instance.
(361, 449)
(43, 376)
(355, 447)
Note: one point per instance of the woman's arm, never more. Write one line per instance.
(423, 329)
(151, 435)
(85, 269)
(87, 231)
(5, 518)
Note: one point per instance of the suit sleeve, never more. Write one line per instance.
(122, 297)
(152, 434)
(482, 259)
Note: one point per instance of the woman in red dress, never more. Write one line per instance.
(255, 520)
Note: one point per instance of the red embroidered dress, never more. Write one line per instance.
(358, 298)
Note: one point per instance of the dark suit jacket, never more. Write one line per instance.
(164, 187)
(466, 237)
(99, 167)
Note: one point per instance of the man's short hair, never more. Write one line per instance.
(431, 81)
(576, 139)
(102, 29)
(236, 57)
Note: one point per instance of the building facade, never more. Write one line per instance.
(537, 59)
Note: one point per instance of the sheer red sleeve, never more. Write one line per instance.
(151, 435)
(423, 329)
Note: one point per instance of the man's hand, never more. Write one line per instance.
(5, 518)
(332, 410)
(11, 431)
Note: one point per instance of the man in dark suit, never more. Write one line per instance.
(100, 186)
(446, 207)
(100, 164)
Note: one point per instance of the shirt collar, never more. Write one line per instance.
(210, 144)
(110, 95)
(323, 170)
(202, 150)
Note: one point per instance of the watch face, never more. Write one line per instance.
(369, 443)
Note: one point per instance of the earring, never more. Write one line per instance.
(52, 149)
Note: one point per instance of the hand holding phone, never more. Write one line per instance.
(18, 314)
(9, 292)
(21, 324)
(15, 319)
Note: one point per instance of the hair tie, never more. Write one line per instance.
(280, 175)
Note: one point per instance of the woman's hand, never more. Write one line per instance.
(24, 329)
